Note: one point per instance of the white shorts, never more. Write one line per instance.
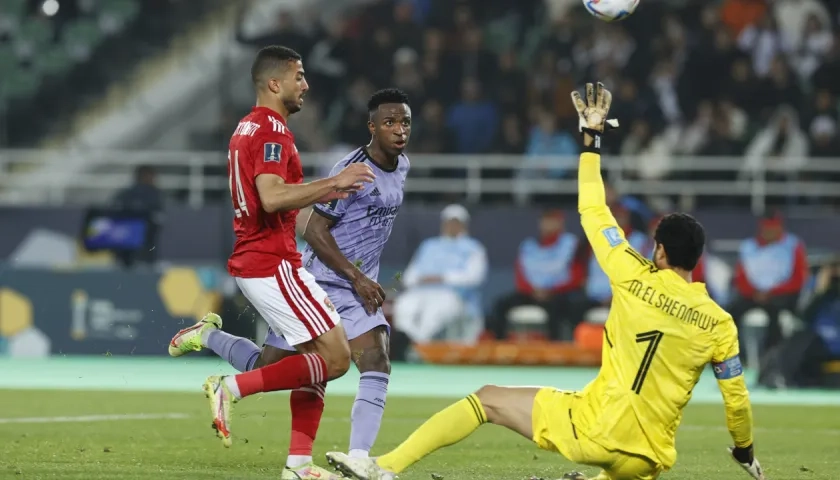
(292, 304)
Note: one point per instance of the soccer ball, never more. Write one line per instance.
(611, 10)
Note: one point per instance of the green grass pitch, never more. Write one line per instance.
(89, 435)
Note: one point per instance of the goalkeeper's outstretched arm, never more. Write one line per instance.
(615, 255)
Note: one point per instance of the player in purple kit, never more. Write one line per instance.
(345, 241)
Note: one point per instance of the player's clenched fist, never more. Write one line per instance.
(354, 177)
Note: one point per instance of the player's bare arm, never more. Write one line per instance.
(276, 195)
(301, 220)
(618, 259)
(317, 234)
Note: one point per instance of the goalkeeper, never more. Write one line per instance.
(661, 333)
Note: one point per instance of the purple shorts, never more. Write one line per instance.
(349, 306)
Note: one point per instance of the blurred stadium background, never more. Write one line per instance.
(115, 217)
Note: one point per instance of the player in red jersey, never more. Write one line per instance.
(266, 176)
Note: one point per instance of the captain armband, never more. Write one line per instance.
(729, 368)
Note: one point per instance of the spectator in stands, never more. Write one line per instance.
(826, 75)
(694, 137)
(381, 46)
(813, 46)
(143, 197)
(549, 147)
(349, 108)
(795, 19)
(663, 81)
(512, 138)
(640, 213)
(545, 82)
(509, 84)
(284, 33)
(442, 296)
(714, 53)
(820, 121)
(474, 60)
(799, 361)
(630, 102)
(728, 130)
(407, 33)
(780, 145)
(771, 271)
(328, 62)
(549, 272)
(597, 289)
(438, 78)
(407, 74)
(431, 135)
(474, 119)
(824, 140)
(742, 87)
(780, 87)
(823, 104)
(652, 151)
(763, 41)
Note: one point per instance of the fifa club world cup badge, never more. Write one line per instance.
(329, 304)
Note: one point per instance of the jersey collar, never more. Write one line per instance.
(371, 160)
(269, 111)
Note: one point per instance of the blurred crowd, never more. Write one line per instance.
(740, 78)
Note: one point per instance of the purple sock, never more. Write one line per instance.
(240, 352)
(367, 412)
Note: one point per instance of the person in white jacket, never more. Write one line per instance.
(442, 284)
(781, 146)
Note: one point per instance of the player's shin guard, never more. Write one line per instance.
(451, 425)
(307, 406)
(368, 409)
(287, 374)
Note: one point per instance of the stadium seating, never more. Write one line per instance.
(671, 77)
(81, 49)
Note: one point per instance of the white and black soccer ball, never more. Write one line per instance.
(611, 10)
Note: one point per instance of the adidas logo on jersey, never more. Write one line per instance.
(375, 192)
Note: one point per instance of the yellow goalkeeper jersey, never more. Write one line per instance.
(661, 334)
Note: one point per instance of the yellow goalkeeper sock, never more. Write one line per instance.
(450, 425)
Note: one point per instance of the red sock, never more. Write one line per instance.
(307, 404)
(287, 374)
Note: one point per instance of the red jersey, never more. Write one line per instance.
(261, 143)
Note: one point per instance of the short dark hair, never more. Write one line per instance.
(269, 59)
(386, 95)
(683, 239)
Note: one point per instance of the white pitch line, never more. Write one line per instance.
(97, 418)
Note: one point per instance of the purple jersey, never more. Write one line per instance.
(363, 221)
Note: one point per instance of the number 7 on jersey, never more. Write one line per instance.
(652, 338)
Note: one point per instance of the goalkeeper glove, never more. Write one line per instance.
(592, 115)
(745, 458)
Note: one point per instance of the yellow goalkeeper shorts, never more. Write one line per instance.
(555, 431)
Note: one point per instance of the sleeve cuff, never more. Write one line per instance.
(319, 210)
